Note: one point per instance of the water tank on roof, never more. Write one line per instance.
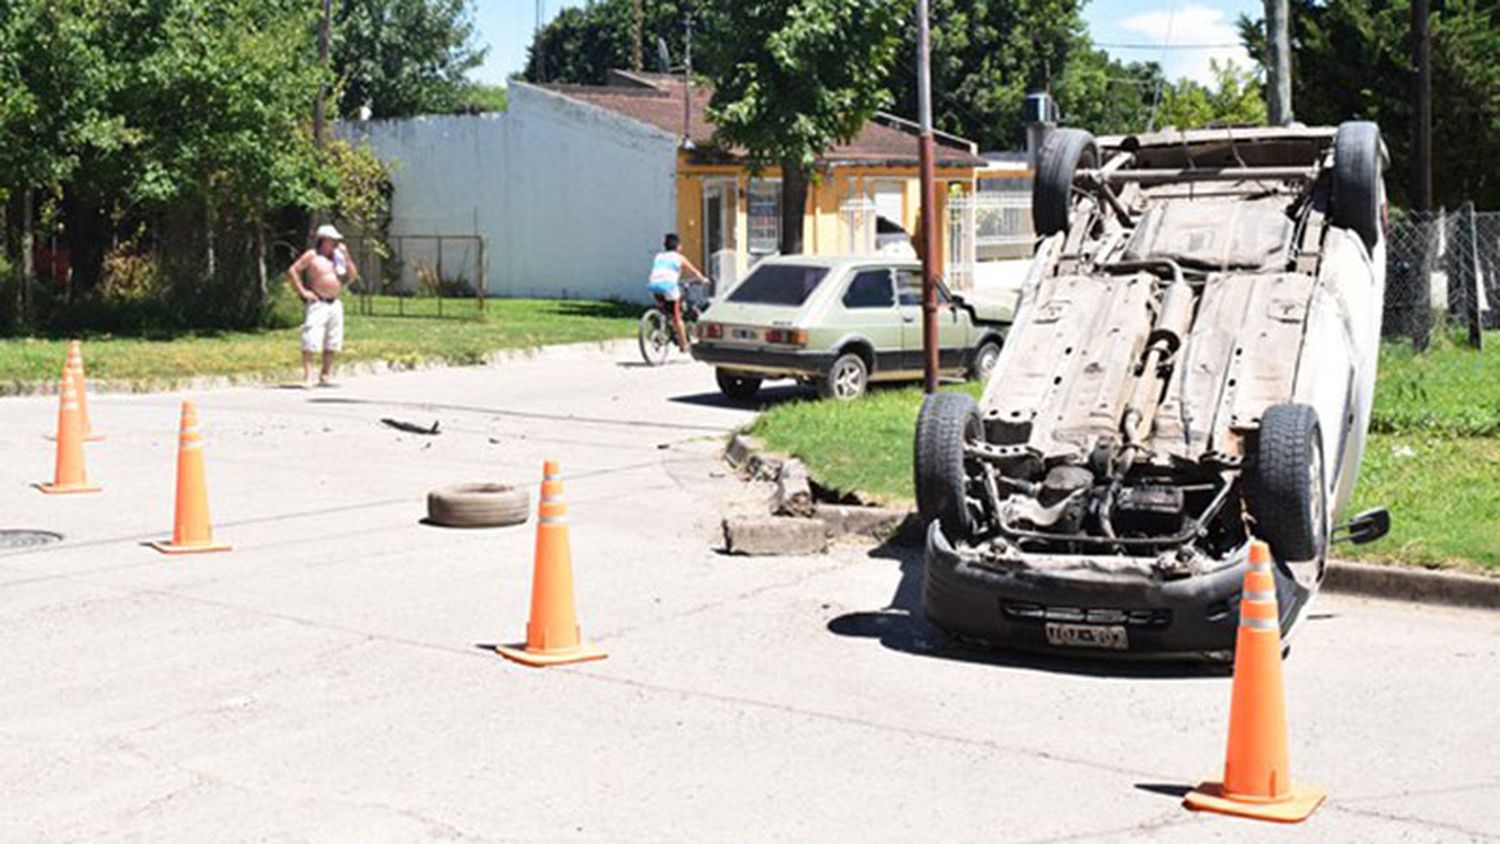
(1039, 108)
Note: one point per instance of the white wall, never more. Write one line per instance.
(571, 200)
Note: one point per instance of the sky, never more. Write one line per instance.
(1129, 29)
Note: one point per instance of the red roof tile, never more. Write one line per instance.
(656, 99)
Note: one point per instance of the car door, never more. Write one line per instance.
(952, 323)
(867, 308)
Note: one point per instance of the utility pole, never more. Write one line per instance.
(1421, 147)
(320, 109)
(1279, 66)
(929, 233)
(637, 25)
(687, 85)
(537, 55)
(1421, 171)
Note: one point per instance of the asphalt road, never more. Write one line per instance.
(327, 680)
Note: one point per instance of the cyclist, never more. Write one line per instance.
(666, 274)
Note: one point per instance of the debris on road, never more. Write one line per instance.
(411, 428)
(793, 490)
(774, 536)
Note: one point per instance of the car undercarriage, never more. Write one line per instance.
(1192, 364)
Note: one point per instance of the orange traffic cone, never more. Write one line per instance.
(69, 474)
(73, 370)
(552, 633)
(191, 531)
(1257, 781)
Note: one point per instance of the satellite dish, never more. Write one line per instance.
(663, 58)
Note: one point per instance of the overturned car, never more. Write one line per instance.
(1192, 364)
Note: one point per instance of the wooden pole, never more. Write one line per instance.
(929, 233)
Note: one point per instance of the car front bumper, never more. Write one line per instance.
(1061, 612)
(764, 363)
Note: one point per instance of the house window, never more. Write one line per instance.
(763, 204)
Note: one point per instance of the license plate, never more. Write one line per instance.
(744, 334)
(1087, 636)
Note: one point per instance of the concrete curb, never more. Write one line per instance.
(1428, 586)
(1397, 583)
(560, 351)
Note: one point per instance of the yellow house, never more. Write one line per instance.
(864, 198)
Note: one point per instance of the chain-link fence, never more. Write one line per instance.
(1442, 274)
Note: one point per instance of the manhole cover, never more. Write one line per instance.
(11, 539)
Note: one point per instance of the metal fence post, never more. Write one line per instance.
(1474, 288)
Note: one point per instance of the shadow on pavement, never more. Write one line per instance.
(767, 397)
(428, 407)
(901, 626)
(1165, 789)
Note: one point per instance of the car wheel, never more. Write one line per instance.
(478, 505)
(946, 423)
(985, 358)
(737, 387)
(1357, 187)
(1062, 154)
(655, 337)
(1287, 491)
(846, 379)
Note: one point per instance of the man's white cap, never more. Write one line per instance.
(329, 232)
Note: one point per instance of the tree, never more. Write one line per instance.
(1234, 100)
(583, 43)
(986, 56)
(1104, 95)
(792, 78)
(1352, 61)
(403, 57)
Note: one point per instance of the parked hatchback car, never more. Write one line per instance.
(838, 324)
(1191, 367)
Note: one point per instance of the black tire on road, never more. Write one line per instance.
(985, 358)
(1286, 484)
(1062, 154)
(1358, 198)
(947, 421)
(478, 505)
(846, 379)
(735, 386)
(655, 337)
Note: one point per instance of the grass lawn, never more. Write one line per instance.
(1433, 458)
(414, 338)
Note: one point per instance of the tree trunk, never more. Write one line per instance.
(262, 293)
(28, 251)
(208, 242)
(793, 207)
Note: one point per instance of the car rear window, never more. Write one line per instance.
(779, 284)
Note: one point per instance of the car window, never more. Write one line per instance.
(779, 284)
(909, 286)
(869, 289)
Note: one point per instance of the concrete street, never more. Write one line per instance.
(327, 680)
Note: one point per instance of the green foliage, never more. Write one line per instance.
(478, 98)
(1234, 100)
(794, 77)
(1352, 61)
(403, 57)
(364, 192)
(583, 43)
(1451, 389)
(1099, 93)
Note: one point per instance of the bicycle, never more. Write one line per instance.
(657, 335)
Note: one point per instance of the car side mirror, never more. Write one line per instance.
(957, 298)
(1365, 527)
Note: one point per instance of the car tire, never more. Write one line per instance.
(1287, 487)
(478, 505)
(947, 421)
(1062, 154)
(655, 337)
(985, 358)
(846, 380)
(737, 387)
(1358, 198)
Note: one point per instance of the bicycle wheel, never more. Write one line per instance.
(655, 337)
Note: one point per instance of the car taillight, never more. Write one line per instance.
(786, 337)
(710, 331)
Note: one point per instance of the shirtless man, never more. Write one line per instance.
(328, 267)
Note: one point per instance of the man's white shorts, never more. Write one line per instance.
(323, 327)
